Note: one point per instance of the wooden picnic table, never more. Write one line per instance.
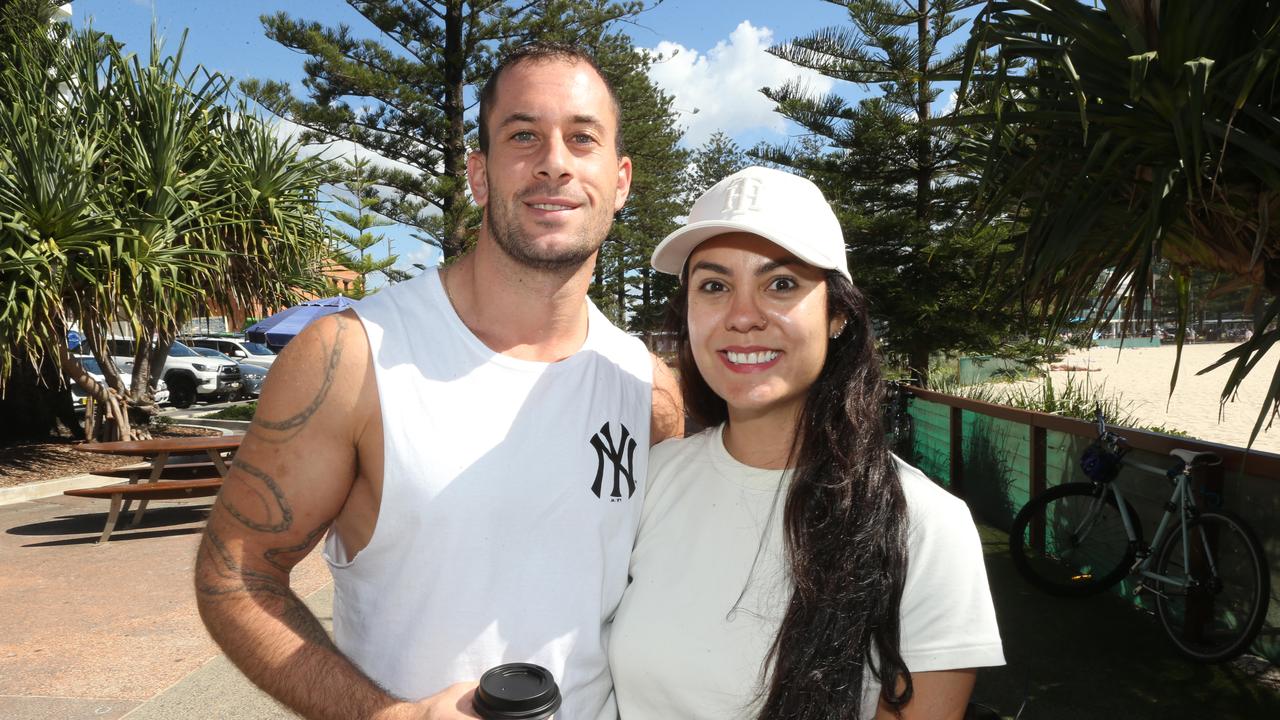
(157, 453)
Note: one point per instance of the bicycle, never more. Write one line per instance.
(1209, 576)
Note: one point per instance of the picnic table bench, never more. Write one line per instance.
(159, 479)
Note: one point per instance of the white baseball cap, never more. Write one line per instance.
(782, 208)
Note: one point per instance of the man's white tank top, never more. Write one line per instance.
(510, 499)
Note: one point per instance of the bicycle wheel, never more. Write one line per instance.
(1084, 549)
(1212, 612)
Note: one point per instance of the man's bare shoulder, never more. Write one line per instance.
(318, 379)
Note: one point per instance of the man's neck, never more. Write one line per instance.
(521, 312)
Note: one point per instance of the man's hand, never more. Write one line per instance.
(667, 419)
(453, 703)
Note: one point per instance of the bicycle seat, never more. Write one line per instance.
(1196, 459)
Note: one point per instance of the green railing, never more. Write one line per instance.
(997, 457)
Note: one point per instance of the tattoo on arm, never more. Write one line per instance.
(275, 514)
(291, 426)
(292, 554)
(231, 578)
(225, 576)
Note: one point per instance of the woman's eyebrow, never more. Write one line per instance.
(709, 266)
(774, 265)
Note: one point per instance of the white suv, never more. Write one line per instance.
(249, 353)
(188, 374)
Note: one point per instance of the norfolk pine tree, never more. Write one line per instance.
(716, 159)
(358, 197)
(630, 292)
(402, 92)
(892, 175)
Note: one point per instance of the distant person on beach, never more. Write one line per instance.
(473, 442)
(788, 566)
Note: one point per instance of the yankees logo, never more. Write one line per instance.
(614, 453)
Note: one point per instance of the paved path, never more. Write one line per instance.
(96, 631)
(111, 631)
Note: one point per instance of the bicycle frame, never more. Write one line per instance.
(1181, 500)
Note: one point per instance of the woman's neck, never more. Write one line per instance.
(763, 440)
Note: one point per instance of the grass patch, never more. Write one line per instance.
(1074, 399)
(235, 412)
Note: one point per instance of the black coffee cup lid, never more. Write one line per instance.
(517, 691)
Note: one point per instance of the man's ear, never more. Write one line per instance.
(478, 178)
(624, 183)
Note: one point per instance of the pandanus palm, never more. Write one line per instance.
(1128, 133)
(132, 195)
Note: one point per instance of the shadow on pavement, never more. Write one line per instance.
(1100, 657)
(156, 522)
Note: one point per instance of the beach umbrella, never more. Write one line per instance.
(276, 331)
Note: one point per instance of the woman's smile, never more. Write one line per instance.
(747, 360)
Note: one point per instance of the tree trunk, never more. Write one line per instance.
(924, 150)
(455, 146)
(621, 291)
(918, 364)
(110, 415)
(645, 300)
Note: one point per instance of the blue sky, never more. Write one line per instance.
(712, 50)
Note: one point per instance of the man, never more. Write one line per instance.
(469, 439)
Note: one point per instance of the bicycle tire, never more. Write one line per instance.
(1235, 588)
(1076, 560)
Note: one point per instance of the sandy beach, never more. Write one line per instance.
(1141, 377)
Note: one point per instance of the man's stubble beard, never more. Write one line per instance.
(515, 242)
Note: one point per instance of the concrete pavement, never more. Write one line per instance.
(111, 630)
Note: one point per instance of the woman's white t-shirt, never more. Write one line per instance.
(710, 586)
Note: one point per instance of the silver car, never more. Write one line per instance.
(80, 398)
(251, 376)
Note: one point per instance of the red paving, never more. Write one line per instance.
(118, 621)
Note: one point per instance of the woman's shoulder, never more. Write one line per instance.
(673, 450)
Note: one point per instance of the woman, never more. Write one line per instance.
(787, 566)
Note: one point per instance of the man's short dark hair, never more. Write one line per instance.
(544, 52)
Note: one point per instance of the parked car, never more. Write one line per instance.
(80, 398)
(251, 376)
(237, 349)
(189, 375)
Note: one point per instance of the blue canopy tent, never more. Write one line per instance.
(276, 331)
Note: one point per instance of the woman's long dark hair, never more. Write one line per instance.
(845, 526)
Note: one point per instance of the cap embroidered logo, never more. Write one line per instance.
(742, 196)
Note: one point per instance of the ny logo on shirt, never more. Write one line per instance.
(606, 449)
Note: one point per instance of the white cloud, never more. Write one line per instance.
(949, 105)
(724, 83)
(334, 150)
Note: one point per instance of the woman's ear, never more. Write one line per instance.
(836, 328)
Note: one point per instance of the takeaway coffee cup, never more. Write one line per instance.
(517, 691)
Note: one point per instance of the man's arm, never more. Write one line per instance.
(290, 479)
(667, 419)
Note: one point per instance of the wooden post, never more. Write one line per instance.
(1039, 478)
(957, 452)
(1207, 490)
